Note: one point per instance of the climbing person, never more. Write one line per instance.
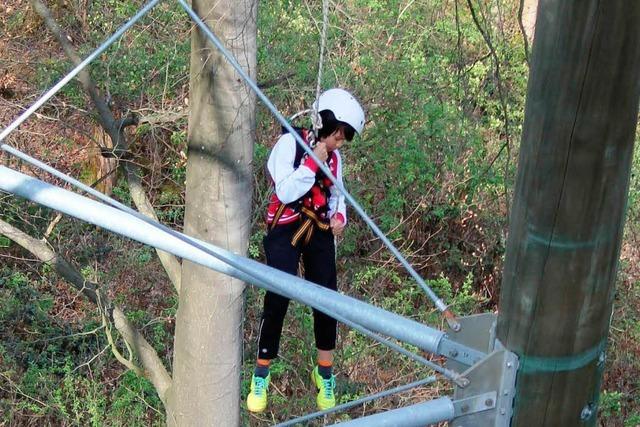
(304, 214)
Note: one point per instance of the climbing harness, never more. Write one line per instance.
(311, 209)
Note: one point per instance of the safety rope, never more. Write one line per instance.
(316, 119)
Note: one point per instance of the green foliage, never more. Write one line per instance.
(46, 361)
(121, 191)
(132, 400)
(138, 316)
(133, 67)
(79, 400)
(634, 184)
(610, 403)
(466, 302)
(15, 21)
(255, 244)
(442, 286)
(50, 71)
(430, 169)
(20, 213)
(434, 122)
(633, 420)
(143, 255)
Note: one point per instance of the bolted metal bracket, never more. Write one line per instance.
(459, 357)
(495, 373)
(469, 345)
(474, 404)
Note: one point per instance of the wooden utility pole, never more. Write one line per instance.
(569, 206)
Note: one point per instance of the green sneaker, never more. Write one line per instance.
(326, 398)
(257, 398)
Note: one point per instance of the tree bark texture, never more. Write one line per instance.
(569, 206)
(208, 340)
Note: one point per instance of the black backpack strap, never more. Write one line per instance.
(305, 134)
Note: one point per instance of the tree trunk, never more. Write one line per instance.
(569, 207)
(530, 9)
(208, 340)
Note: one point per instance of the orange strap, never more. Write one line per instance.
(311, 221)
(277, 216)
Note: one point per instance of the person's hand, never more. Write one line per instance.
(336, 226)
(321, 151)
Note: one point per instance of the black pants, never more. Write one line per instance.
(319, 262)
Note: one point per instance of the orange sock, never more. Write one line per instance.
(325, 363)
(264, 362)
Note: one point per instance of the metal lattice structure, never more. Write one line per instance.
(482, 371)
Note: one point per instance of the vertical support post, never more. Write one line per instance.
(218, 188)
(569, 206)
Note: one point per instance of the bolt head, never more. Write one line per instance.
(488, 402)
(601, 359)
(464, 408)
(586, 413)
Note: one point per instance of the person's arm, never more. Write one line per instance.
(290, 183)
(337, 206)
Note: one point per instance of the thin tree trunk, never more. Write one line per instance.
(154, 370)
(529, 12)
(115, 130)
(208, 339)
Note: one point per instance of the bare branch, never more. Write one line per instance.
(523, 31)
(503, 100)
(130, 120)
(159, 118)
(52, 225)
(115, 130)
(20, 392)
(114, 349)
(154, 370)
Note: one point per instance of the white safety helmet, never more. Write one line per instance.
(344, 106)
